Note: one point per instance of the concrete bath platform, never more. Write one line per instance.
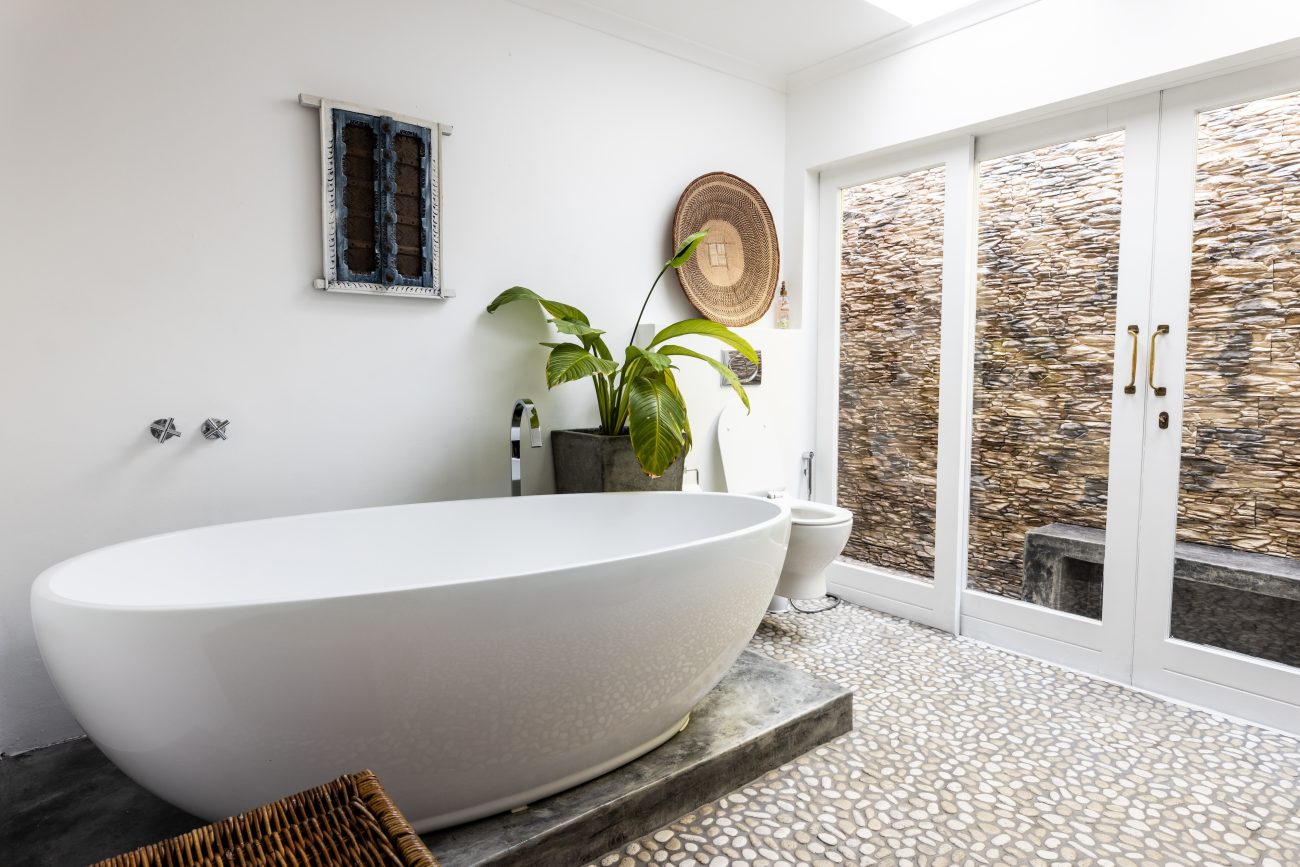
(67, 804)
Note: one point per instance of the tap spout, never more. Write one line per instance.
(522, 405)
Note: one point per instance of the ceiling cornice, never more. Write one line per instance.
(896, 43)
(612, 24)
(653, 38)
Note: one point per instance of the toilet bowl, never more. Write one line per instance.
(752, 465)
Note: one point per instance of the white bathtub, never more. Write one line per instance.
(477, 655)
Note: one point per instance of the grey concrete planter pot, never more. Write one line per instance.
(590, 462)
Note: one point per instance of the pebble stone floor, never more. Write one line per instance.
(965, 754)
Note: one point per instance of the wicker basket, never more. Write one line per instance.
(732, 277)
(350, 821)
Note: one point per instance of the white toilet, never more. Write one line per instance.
(818, 533)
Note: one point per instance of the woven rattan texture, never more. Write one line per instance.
(350, 821)
(715, 201)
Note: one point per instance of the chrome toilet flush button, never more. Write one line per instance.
(163, 429)
(214, 428)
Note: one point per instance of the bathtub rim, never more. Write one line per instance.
(41, 584)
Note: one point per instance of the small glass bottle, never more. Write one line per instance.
(783, 308)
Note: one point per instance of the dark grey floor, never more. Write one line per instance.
(67, 805)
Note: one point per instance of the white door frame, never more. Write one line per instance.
(1256, 689)
(1131, 643)
(1103, 646)
(932, 603)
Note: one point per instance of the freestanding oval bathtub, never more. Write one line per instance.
(477, 655)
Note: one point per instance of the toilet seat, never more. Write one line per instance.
(806, 513)
(752, 465)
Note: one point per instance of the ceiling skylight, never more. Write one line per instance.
(919, 11)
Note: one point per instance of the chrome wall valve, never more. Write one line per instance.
(214, 428)
(163, 429)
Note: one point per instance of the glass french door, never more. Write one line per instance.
(1218, 617)
(982, 295)
(1059, 373)
(890, 393)
(1062, 282)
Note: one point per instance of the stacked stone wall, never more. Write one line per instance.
(1241, 423)
(1048, 264)
(891, 270)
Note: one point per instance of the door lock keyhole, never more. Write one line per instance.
(1163, 420)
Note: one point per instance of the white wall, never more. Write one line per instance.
(159, 232)
(1049, 56)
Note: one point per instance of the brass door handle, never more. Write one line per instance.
(1151, 361)
(1131, 388)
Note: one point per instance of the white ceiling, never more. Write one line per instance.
(782, 35)
(767, 41)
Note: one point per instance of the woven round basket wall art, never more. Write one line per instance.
(732, 276)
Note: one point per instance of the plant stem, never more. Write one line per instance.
(602, 401)
(647, 301)
(606, 403)
(611, 407)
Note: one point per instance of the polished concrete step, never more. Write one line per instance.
(67, 804)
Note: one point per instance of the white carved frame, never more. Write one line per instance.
(330, 282)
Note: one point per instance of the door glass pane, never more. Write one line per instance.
(891, 273)
(1049, 222)
(1237, 563)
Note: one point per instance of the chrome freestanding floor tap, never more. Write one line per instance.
(535, 428)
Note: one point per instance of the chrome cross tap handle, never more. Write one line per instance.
(214, 428)
(163, 429)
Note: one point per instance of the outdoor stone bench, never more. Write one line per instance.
(1249, 603)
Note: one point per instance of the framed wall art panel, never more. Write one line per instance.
(381, 201)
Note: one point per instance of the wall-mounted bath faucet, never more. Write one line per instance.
(214, 428)
(535, 428)
(163, 429)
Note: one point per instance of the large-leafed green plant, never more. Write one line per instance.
(638, 396)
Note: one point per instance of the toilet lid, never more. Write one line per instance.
(810, 514)
(751, 460)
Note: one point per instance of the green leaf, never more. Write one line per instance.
(514, 293)
(569, 361)
(687, 249)
(655, 360)
(656, 422)
(555, 308)
(589, 336)
(727, 373)
(564, 311)
(601, 349)
(686, 428)
(706, 328)
(576, 328)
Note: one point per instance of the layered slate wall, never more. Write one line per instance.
(1241, 426)
(892, 278)
(1048, 261)
(1048, 258)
